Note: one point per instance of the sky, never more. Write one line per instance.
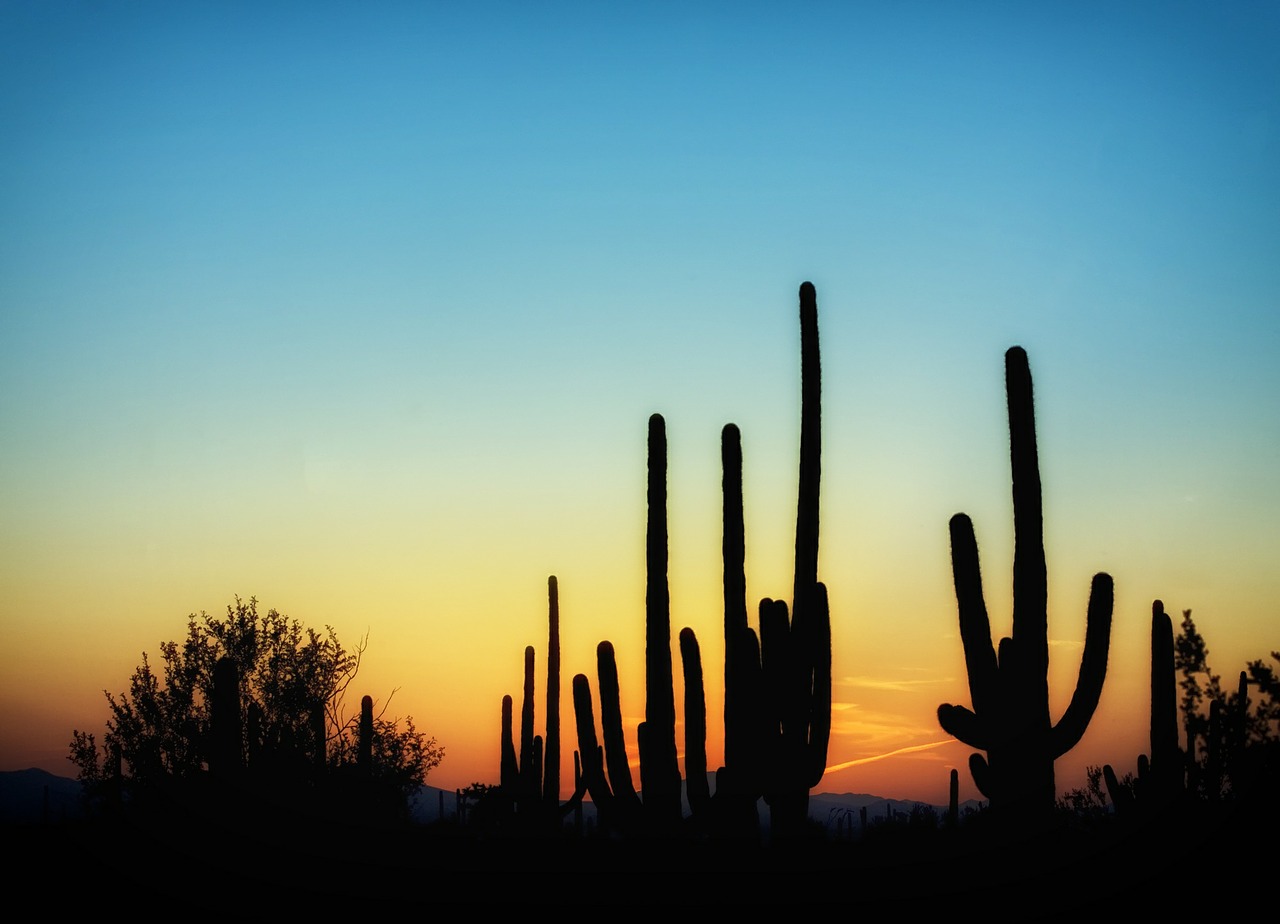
(362, 312)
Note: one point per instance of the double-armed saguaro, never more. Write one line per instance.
(1010, 689)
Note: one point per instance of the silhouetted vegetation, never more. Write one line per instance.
(777, 685)
(250, 709)
(249, 712)
(527, 799)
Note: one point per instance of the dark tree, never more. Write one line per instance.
(289, 728)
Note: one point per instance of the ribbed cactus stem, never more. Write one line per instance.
(659, 765)
(806, 568)
(737, 715)
(551, 743)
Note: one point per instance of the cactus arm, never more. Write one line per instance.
(820, 697)
(592, 754)
(975, 626)
(980, 770)
(1120, 795)
(615, 745)
(1067, 733)
(961, 724)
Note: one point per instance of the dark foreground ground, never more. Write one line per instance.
(1224, 863)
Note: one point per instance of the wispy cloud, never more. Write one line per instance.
(889, 685)
(897, 752)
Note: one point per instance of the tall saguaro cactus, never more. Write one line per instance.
(1009, 688)
(659, 766)
(795, 656)
(551, 743)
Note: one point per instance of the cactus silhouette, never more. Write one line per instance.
(656, 735)
(659, 766)
(795, 654)
(1009, 688)
(697, 789)
(953, 800)
(530, 778)
(777, 689)
(551, 742)
(606, 772)
(1161, 778)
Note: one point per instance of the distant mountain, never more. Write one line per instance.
(33, 796)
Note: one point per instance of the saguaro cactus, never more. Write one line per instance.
(795, 657)
(531, 778)
(777, 690)
(659, 766)
(1161, 777)
(1010, 690)
(551, 741)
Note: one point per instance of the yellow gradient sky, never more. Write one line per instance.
(363, 314)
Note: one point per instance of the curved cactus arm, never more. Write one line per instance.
(615, 744)
(975, 626)
(963, 725)
(697, 789)
(1093, 669)
(592, 754)
(1121, 795)
(980, 770)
